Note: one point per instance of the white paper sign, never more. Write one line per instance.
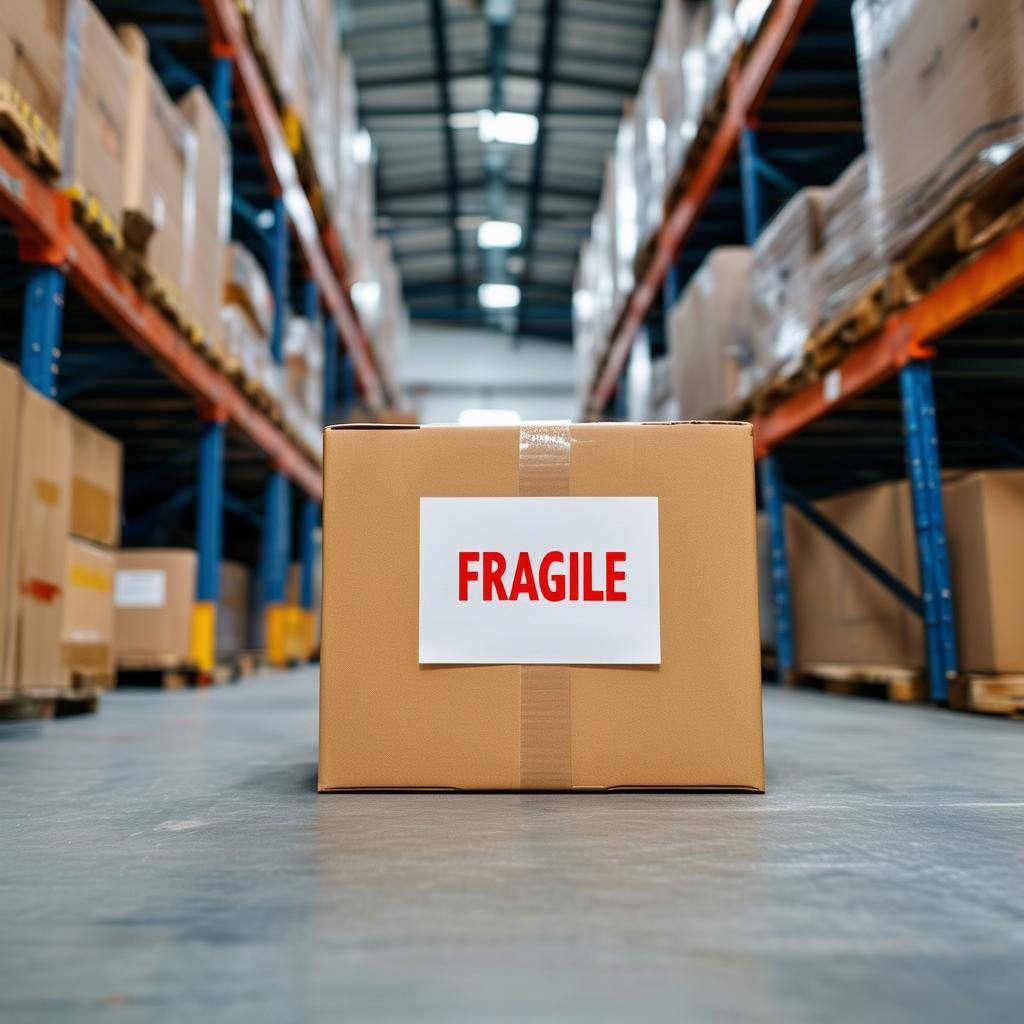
(548, 581)
(140, 588)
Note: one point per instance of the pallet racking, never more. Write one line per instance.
(192, 437)
(946, 354)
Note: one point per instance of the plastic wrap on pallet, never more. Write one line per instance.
(661, 93)
(749, 15)
(273, 26)
(943, 98)
(722, 42)
(710, 343)
(695, 88)
(304, 368)
(851, 257)
(246, 285)
(203, 286)
(624, 198)
(648, 157)
(160, 170)
(586, 327)
(347, 148)
(784, 281)
(246, 350)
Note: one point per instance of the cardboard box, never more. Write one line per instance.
(87, 630)
(97, 462)
(154, 592)
(32, 59)
(159, 176)
(984, 520)
(942, 87)
(95, 151)
(233, 609)
(203, 286)
(693, 720)
(42, 518)
(10, 411)
(708, 336)
(842, 615)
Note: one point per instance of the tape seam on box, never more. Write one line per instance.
(545, 725)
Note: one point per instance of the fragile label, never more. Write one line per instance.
(549, 581)
(140, 588)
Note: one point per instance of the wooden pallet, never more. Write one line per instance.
(44, 705)
(890, 682)
(35, 141)
(97, 222)
(990, 211)
(989, 695)
(250, 663)
(156, 673)
(779, 388)
(864, 317)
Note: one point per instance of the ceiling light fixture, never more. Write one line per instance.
(499, 234)
(507, 127)
(498, 296)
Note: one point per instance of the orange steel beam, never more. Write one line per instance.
(782, 27)
(906, 334)
(329, 271)
(47, 230)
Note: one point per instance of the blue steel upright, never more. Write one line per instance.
(220, 88)
(274, 560)
(922, 455)
(330, 368)
(307, 558)
(771, 490)
(279, 276)
(42, 323)
(209, 542)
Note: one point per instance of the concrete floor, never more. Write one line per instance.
(169, 859)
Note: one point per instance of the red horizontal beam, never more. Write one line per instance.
(227, 31)
(782, 27)
(43, 218)
(907, 334)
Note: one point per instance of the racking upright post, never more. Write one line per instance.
(210, 468)
(276, 552)
(310, 516)
(42, 322)
(771, 489)
(922, 455)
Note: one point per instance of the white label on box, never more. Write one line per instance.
(543, 581)
(140, 588)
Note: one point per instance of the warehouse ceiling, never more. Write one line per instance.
(424, 68)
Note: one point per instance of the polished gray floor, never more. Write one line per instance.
(168, 859)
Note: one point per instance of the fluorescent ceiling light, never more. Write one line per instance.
(498, 296)
(499, 234)
(507, 127)
(489, 418)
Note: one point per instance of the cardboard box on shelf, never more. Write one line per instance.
(87, 628)
(96, 479)
(713, 357)
(203, 285)
(984, 516)
(233, 610)
(39, 532)
(657, 690)
(160, 165)
(154, 591)
(10, 411)
(842, 615)
(246, 286)
(942, 89)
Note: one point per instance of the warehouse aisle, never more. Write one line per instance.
(171, 853)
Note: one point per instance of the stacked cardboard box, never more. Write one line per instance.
(304, 378)
(943, 97)
(713, 362)
(233, 610)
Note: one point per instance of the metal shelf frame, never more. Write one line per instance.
(905, 348)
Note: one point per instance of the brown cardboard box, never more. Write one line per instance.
(154, 592)
(42, 517)
(692, 721)
(942, 88)
(32, 57)
(842, 615)
(95, 151)
(708, 336)
(159, 169)
(233, 609)
(203, 286)
(87, 630)
(984, 519)
(10, 410)
(96, 474)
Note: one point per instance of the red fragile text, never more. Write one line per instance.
(559, 576)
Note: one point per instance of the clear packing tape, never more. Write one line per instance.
(545, 723)
(943, 96)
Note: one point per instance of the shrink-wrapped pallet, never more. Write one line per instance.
(943, 95)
